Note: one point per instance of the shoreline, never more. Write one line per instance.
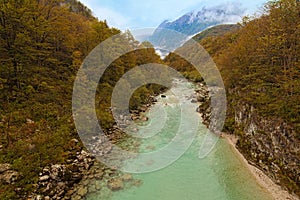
(262, 179)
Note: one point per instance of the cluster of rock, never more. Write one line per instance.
(202, 96)
(7, 175)
(83, 174)
(93, 181)
(137, 114)
(57, 179)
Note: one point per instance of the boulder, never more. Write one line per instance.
(92, 189)
(193, 101)
(143, 108)
(9, 176)
(98, 185)
(29, 121)
(44, 178)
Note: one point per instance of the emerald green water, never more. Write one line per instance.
(219, 176)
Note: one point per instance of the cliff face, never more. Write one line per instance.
(271, 145)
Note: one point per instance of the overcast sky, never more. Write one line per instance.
(132, 14)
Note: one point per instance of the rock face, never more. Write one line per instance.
(271, 145)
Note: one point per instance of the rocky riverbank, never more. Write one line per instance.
(270, 146)
(202, 97)
(101, 181)
(57, 179)
(81, 175)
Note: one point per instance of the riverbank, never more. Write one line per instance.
(275, 190)
(265, 181)
(98, 179)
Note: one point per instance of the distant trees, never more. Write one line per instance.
(139, 54)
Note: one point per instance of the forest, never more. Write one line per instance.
(44, 42)
(42, 45)
(260, 62)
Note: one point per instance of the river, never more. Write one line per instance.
(222, 175)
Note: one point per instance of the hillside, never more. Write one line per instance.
(214, 31)
(42, 45)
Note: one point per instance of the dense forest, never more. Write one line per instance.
(42, 45)
(260, 62)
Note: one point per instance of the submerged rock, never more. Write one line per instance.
(82, 191)
(126, 177)
(115, 184)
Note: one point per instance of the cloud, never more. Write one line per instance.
(130, 14)
(230, 12)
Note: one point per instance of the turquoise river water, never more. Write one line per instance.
(222, 175)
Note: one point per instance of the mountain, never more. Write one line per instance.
(194, 22)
